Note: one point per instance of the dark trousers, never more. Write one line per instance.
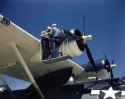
(55, 47)
(50, 47)
(46, 50)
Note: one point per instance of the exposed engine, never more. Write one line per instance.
(71, 44)
(70, 48)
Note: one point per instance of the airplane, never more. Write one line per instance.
(72, 89)
(20, 61)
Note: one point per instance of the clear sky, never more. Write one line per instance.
(105, 20)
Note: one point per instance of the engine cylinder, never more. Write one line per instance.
(70, 48)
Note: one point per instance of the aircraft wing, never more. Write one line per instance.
(118, 83)
(94, 88)
(29, 47)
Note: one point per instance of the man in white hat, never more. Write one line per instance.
(51, 40)
(46, 43)
(56, 40)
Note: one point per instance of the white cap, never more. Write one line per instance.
(72, 31)
(54, 25)
(49, 27)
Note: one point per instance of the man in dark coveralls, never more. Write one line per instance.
(50, 42)
(46, 43)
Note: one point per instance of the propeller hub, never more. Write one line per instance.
(87, 37)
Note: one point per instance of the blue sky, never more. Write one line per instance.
(105, 20)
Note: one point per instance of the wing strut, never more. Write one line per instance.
(26, 68)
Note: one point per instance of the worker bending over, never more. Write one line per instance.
(50, 41)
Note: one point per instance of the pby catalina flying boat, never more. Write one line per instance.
(20, 58)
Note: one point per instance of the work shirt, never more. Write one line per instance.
(45, 34)
(58, 35)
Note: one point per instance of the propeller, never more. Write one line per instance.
(108, 67)
(90, 57)
(86, 37)
(83, 41)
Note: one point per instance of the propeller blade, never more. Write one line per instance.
(109, 67)
(86, 37)
(90, 57)
(111, 73)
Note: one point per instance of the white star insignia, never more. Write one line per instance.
(110, 93)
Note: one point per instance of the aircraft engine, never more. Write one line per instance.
(72, 47)
(72, 44)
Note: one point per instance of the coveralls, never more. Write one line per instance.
(45, 42)
(56, 40)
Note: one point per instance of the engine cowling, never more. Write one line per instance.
(71, 48)
(73, 45)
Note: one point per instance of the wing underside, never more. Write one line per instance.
(28, 46)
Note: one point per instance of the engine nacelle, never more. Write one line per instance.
(100, 65)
